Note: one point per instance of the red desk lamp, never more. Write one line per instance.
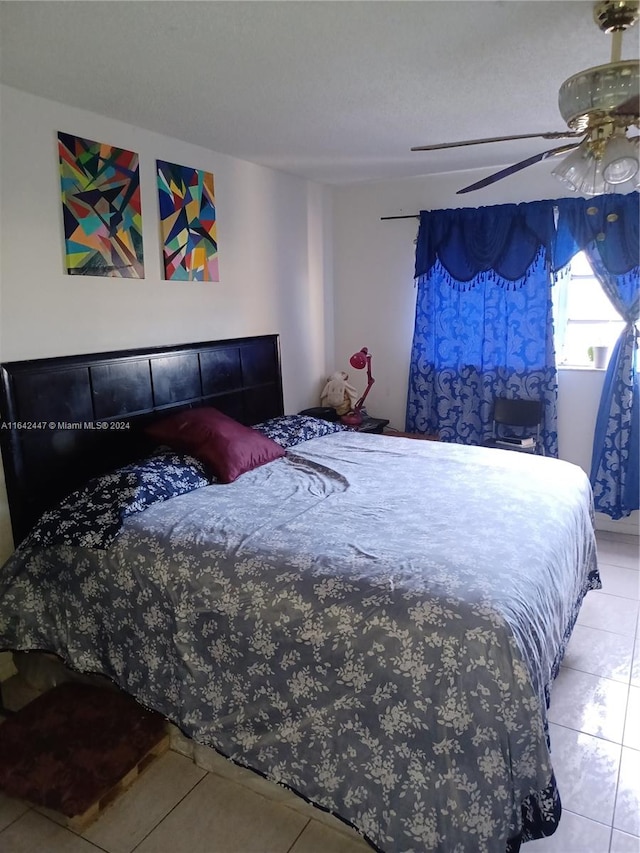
(359, 359)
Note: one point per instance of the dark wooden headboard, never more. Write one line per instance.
(64, 420)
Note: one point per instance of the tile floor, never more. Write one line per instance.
(179, 806)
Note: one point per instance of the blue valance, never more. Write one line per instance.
(607, 224)
(505, 239)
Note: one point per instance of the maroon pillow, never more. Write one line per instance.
(224, 446)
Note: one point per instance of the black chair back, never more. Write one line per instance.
(517, 413)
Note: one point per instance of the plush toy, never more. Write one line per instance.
(338, 394)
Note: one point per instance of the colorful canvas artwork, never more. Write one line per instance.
(188, 223)
(101, 208)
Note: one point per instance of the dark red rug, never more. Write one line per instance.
(75, 747)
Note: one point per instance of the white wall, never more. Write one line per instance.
(375, 294)
(274, 242)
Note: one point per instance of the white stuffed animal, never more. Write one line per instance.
(338, 393)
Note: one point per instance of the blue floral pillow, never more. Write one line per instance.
(290, 430)
(92, 516)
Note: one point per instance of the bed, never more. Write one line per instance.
(371, 621)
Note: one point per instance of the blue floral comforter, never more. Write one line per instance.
(372, 621)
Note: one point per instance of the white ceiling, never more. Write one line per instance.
(333, 91)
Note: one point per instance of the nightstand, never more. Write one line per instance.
(375, 425)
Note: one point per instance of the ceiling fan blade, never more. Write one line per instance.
(560, 134)
(517, 167)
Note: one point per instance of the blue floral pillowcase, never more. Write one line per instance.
(290, 430)
(92, 516)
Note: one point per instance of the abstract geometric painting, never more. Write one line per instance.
(188, 223)
(101, 208)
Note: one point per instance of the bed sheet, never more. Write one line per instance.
(371, 621)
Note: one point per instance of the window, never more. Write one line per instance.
(584, 317)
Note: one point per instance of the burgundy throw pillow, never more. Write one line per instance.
(223, 445)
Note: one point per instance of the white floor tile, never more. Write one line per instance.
(134, 814)
(619, 553)
(627, 811)
(586, 769)
(632, 726)
(16, 692)
(219, 816)
(317, 837)
(10, 810)
(623, 843)
(609, 613)
(600, 653)
(617, 580)
(180, 742)
(589, 703)
(575, 834)
(33, 833)
(213, 762)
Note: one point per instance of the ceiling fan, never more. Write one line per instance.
(599, 105)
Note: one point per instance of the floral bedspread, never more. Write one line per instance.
(371, 621)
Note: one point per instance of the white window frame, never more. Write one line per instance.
(570, 352)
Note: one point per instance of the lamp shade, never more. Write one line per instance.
(359, 359)
(609, 165)
(572, 169)
(593, 182)
(620, 160)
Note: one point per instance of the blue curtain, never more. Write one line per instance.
(483, 323)
(606, 228)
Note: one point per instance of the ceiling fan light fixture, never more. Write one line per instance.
(620, 160)
(593, 182)
(582, 172)
(604, 163)
(572, 170)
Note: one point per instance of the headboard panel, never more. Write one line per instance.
(67, 419)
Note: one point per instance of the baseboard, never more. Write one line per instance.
(631, 524)
(7, 669)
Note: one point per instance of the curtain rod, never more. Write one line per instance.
(417, 215)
